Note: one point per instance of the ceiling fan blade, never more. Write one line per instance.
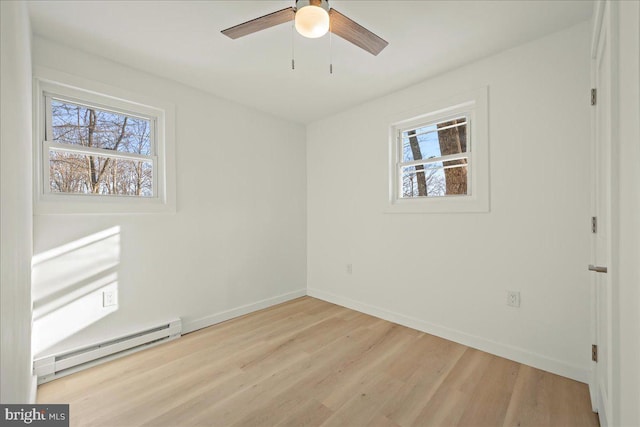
(262, 23)
(355, 33)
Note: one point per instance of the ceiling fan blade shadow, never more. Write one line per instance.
(355, 33)
(261, 23)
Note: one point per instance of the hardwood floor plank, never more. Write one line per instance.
(362, 408)
(310, 363)
(571, 403)
(382, 421)
(363, 372)
(530, 402)
(449, 402)
(310, 414)
(492, 394)
(423, 369)
(302, 379)
(545, 400)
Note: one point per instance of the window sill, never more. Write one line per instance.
(451, 204)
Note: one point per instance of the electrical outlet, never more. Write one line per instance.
(109, 298)
(513, 298)
(349, 268)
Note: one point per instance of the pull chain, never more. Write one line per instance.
(330, 50)
(293, 62)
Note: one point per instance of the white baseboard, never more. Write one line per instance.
(33, 392)
(507, 351)
(212, 319)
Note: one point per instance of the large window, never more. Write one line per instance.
(439, 158)
(101, 152)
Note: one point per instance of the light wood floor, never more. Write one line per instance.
(311, 363)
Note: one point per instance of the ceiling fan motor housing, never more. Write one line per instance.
(320, 3)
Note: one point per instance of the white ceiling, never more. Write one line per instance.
(181, 40)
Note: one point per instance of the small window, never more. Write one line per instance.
(93, 151)
(435, 159)
(100, 149)
(439, 156)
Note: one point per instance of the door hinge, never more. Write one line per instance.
(594, 224)
(594, 352)
(594, 96)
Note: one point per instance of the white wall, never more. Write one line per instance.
(16, 385)
(237, 241)
(447, 273)
(627, 356)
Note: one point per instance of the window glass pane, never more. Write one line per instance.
(421, 143)
(92, 127)
(434, 180)
(440, 139)
(84, 174)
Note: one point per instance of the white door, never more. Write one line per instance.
(602, 75)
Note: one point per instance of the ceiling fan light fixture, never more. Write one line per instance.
(312, 18)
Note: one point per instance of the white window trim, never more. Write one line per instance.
(51, 83)
(474, 106)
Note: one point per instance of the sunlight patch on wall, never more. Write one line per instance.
(69, 285)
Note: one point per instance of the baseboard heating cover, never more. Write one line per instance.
(55, 366)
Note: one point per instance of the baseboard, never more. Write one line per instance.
(507, 351)
(212, 319)
(592, 388)
(33, 391)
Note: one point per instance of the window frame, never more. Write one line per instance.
(473, 106)
(90, 94)
(50, 145)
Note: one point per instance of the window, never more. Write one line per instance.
(435, 159)
(439, 157)
(98, 153)
(93, 151)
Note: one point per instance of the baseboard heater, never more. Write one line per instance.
(49, 368)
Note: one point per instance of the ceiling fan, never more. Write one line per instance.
(313, 18)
